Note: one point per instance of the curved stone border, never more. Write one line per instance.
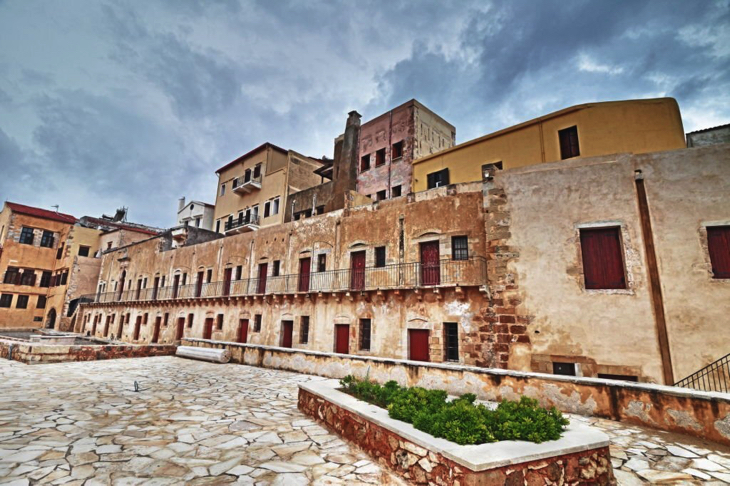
(581, 456)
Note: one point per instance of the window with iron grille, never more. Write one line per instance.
(569, 143)
(718, 245)
(12, 276)
(47, 239)
(603, 265)
(276, 268)
(219, 322)
(451, 341)
(438, 179)
(6, 300)
(380, 256)
(365, 330)
(26, 236)
(379, 157)
(459, 248)
(322, 262)
(397, 150)
(257, 323)
(41, 302)
(22, 302)
(84, 251)
(304, 330)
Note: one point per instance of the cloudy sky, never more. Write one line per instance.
(135, 103)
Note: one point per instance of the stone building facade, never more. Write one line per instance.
(612, 266)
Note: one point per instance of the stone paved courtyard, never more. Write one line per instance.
(201, 423)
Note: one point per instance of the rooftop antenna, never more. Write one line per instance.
(55, 206)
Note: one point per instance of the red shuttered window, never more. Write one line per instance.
(718, 244)
(603, 264)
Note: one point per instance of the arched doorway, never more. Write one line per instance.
(51, 319)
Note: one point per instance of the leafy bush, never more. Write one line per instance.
(460, 420)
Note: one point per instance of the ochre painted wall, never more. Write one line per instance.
(636, 126)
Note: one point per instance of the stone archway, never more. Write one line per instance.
(51, 319)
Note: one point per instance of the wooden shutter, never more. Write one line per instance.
(718, 245)
(602, 258)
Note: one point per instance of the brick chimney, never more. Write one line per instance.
(344, 173)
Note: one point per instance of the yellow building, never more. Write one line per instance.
(588, 130)
(253, 190)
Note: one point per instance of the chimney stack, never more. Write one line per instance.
(180, 203)
(344, 173)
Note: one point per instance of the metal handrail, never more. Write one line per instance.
(448, 273)
(242, 220)
(713, 377)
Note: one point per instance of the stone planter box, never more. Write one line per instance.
(581, 456)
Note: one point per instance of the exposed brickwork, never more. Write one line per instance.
(420, 466)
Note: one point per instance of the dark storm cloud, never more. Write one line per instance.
(138, 103)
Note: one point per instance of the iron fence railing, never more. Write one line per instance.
(446, 273)
(242, 220)
(713, 377)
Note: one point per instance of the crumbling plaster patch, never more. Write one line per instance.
(723, 426)
(682, 419)
(639, 410)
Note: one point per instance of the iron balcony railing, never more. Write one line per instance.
(446, 273)
(242, 220)
(713, 377)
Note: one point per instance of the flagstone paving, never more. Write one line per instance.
(201, 423)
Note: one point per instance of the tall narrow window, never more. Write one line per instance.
(223, 189)
(451, 341)
(380, 256)
(22, 302)
(247, 176)
(209, 275)
(46, 279)
(239, 272)
(322, 262)
(257, 323)
(26, 236)
(459, 248)
(257, 171)
(12, 276)
(569, 143)
(190, 320)
(219, 322)
(6, 300)
(718, 245)
(47, 239)
(27, 277)
(379, 157)
(276, 268)
(365, 330)
(603, 265)
(218, 226)
(397, 150)
(275, 206)
(267, 209)
(365, 163)
(59, 252)
(438, 179)
(304, 330)
(41, 302)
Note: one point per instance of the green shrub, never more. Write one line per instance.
(460, 420)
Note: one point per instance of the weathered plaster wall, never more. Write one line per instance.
(712, 136)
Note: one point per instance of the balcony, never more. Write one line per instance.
(414, 276)
(247, 186)
(242, 224)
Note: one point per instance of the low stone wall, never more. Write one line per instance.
(700, 414)
(582, 458)
(32, 353)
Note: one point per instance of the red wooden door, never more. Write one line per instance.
(287, 331)
(199, 285)
(156, 332)
(137, 328)
(304, 270)
(430, 263)
(342, 338)
(175, 285)
(208, 328)
(180, 328)
(357, 270)
(263, 270)
(418, 344)
(227, 281)
(243, 331)
(718, 242)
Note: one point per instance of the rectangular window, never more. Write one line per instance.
(41, 303)
(209, 275)
(365, 329)
(6, 300)
(276, 268)
(395, 191)
(304, 330)
(438, 179)
(267, 206)
(257, 323)
(397, 150)
(451, 341)
(379, 157)
(27, 278)
(26, 236)
(380, 256)
(459, 248)
(257, 171)
(239, 272)
(190, 320)
(275, 207)
(322, 262)
(365, 163)
(166, 321)
(219, 322)
(381, 196)
(223, 189)
(603, 265)
(235, 183)
(59, 252)
(64, 278)
(565, 369)
(718, 245)
(247, 176)
(218, 226)
(184, 279)
(47, 239)
(12, 276)
(84, 251)
(569, 143)
(22, 302)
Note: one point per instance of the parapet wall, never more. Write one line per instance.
(700, 414)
